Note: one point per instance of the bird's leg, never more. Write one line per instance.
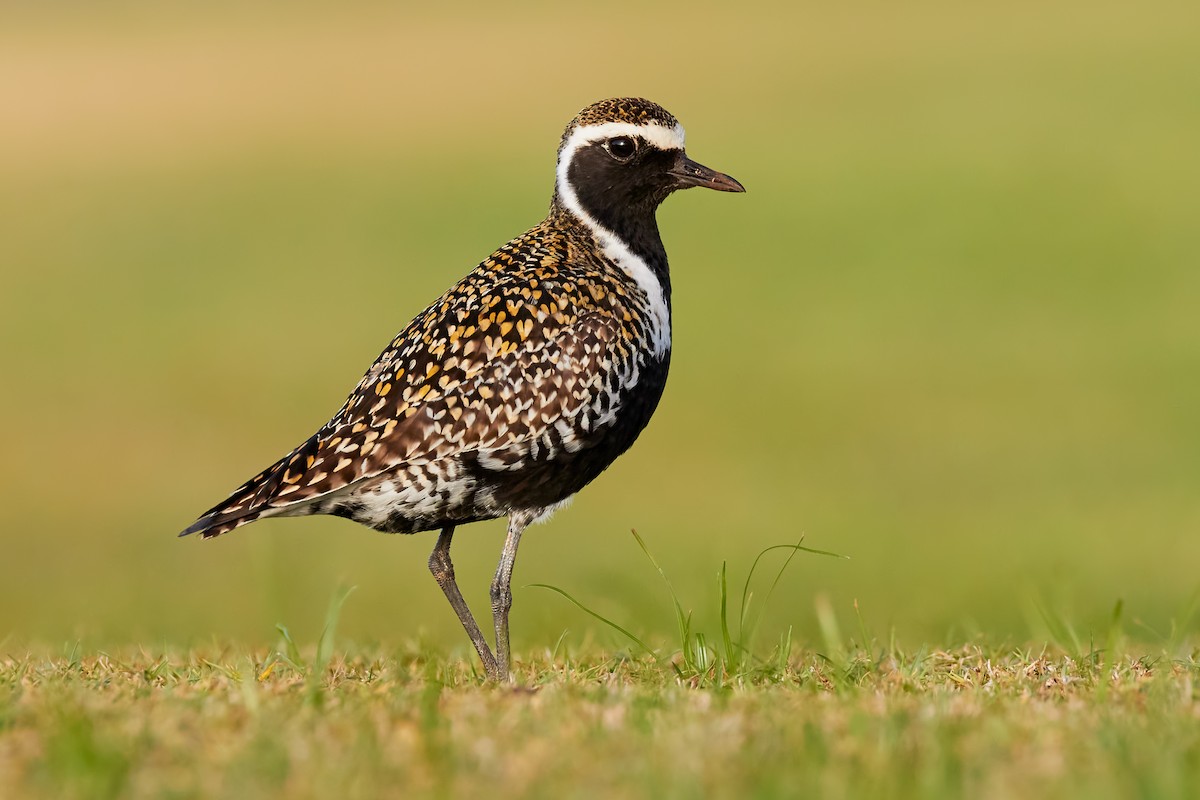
(443, 572)
(502, 593)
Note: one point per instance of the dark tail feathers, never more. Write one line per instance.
(252, 499)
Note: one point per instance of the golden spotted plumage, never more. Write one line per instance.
(542, 333)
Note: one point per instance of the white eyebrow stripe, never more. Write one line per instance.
(660, 136)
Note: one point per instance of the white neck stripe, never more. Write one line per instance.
(633, 265)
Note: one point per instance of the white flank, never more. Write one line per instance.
(614, 248)
(412, 499)
(549, 511)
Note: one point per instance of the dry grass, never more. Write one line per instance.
(965, 721)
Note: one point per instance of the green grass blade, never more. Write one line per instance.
(598, 616)
(784, 654)
(732, 660)
(798, 547)
(700, 654)
(1060, 630)
(831, 634)
(1109, 660)
(685, 644)
(554, 653)
(862, 631)
(679, 615)
(325, 643)
(291, 652)
(1179, 627)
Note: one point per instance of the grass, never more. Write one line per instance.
(960, 721)
(857, 718)
(700, 662)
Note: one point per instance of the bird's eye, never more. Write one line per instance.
(621, 148)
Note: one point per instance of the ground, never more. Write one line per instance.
(970, 721)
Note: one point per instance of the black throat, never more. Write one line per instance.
(626, 211)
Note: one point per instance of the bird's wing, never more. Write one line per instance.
(494, 374)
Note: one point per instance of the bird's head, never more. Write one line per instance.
(620, 158)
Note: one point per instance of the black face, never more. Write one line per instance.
(620, 181)
(622, 178)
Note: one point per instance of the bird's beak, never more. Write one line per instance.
(688, 173)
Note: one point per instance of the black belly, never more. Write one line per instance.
(544, 482)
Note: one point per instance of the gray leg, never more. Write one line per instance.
(443, 572)
(502, 592)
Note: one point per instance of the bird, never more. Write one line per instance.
(521, 383)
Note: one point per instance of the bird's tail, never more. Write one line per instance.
(257, 497)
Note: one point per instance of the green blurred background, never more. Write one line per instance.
(952, 331)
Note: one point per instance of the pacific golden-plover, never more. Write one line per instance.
(519, 385)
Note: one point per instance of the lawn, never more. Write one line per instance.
(968, 721)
